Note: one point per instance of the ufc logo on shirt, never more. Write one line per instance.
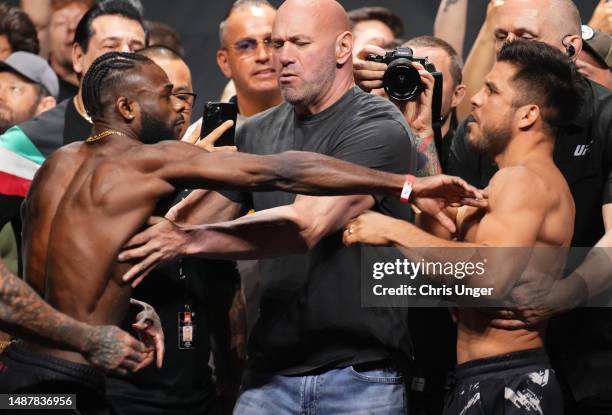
(582, 150)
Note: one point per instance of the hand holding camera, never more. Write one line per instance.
(412, 83)
(418, 111)
(369, 74)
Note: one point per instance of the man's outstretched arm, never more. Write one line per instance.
(189, 167)
(24, 313)
(272, 232)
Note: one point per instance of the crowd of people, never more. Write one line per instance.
(147, 270)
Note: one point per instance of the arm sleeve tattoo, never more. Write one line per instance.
(24, 313)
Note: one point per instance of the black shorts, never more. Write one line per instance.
(26, 371)
(520, 383)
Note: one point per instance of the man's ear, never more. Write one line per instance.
(344, 47)
(77, 59)
(573, 46)
(128, 109)
(527, 115)
(458, 95)
(223, 63)
(45, 104)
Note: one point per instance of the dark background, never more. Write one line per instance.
(197, 21)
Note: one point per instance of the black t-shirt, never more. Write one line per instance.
(310, 313)
(582, 339)
(443, 146)
(76, 128)
(66, 89)
(184, 383)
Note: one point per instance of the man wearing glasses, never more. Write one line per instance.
(246, 58)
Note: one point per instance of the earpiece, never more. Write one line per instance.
(571, 50)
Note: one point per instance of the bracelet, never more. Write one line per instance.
(407, 189)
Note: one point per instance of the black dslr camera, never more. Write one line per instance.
(402, 81)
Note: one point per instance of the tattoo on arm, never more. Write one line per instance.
(24, 313)
(427, 147)
(449, 3)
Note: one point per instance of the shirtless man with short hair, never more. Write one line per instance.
(528, 96)
(90, 197)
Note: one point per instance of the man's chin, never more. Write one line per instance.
(268, 87)
(5, 125)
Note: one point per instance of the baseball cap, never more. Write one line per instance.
(33, 68)
(599, 43)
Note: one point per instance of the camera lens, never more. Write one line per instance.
(401, 80)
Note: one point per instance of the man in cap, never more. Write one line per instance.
(28, 87)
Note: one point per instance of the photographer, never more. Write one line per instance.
(418, 112)
(434, 350)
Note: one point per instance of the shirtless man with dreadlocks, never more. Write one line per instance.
(90, 197)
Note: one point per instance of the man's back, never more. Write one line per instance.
(76, 270)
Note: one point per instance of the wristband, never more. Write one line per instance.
(407, 189)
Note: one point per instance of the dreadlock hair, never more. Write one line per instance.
(108, 74)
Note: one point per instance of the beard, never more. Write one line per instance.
(5, 124)
(309, 90)
(153, 130)
(10, 118)
(493, 141)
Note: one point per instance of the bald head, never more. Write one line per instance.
(565, 16)
(555, 22)
(312, 46)
(327, 15)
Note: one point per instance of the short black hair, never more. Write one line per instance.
(160, 51)
(236, 5)
(456, 66)
(382, 14)
(106, 75)
(545, 76)
(84, 32)
(160, 34)
(18, 29)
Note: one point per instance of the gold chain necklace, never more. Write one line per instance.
(102, 135)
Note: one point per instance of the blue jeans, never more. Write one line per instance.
(336, 392)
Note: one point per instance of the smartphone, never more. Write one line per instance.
(215, 114)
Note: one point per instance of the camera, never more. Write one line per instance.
(402, 81)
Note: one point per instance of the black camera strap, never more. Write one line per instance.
(436, 107)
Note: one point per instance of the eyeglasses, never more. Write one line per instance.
(249, 46)
(186, 97)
